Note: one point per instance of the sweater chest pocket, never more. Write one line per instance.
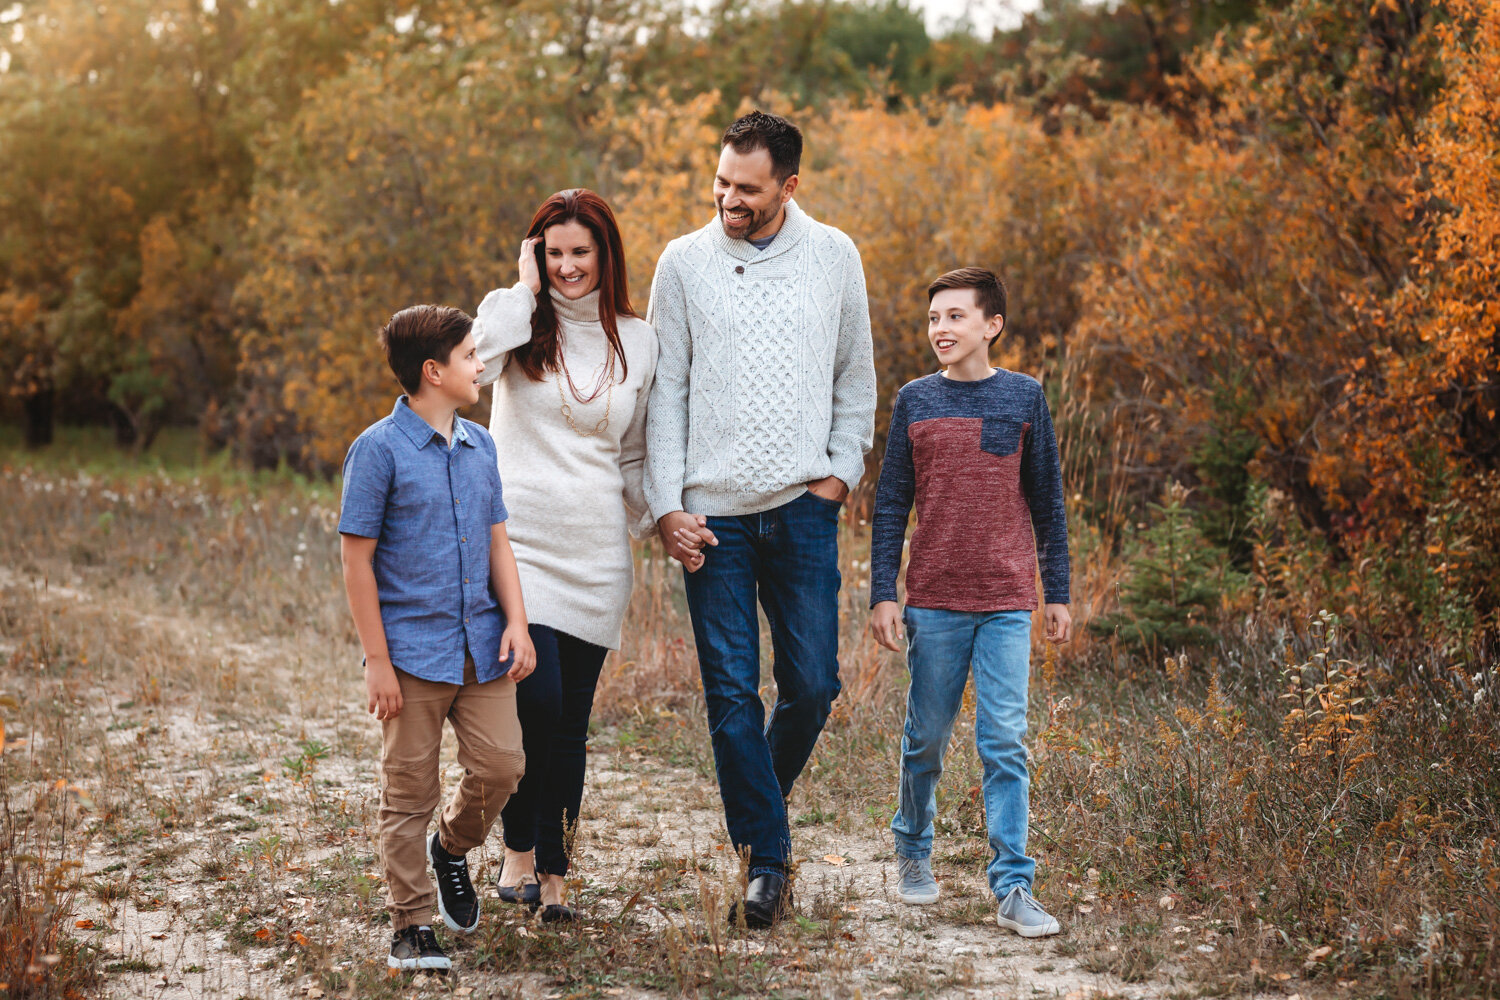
(1002, 436)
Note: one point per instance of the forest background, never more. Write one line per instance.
(1250, 245)
(1251, 250)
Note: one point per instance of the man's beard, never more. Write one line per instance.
(754, 224)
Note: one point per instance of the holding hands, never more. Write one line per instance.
(684, 535)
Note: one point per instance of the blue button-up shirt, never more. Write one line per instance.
(430, 506)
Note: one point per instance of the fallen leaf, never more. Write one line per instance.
(314, 993)
(301, 938)
(614, 992)
(837, 860)
(263, 934)
(84, 925)
(1085, 909)
(1318, 954)
(158, 937)
(464, 991)
(1167, 903)
(1281, 977)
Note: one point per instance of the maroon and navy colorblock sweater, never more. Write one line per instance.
(980, 460)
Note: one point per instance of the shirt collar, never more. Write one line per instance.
(794, 227)
(420, 431)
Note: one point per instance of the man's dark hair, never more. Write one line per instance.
(418, 333)
(774, 134)
(988, 291)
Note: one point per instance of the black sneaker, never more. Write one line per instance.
(414, 949)
(457, 900)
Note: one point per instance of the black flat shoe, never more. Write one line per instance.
(525, 894)
(557, 913)
(768, 899)
(529, 894)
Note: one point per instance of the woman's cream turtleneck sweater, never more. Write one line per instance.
(573, 500)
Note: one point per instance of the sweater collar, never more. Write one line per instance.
(793, 229)
(580, 310)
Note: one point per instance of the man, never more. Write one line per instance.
(758, 424)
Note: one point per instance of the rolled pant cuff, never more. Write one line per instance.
(913, 853)
(420, 917)
(758, 870)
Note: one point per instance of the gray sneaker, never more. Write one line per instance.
(918, 887)
(1020, 912)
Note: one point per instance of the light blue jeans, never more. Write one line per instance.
(940, 648)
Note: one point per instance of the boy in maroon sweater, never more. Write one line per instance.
(973, 449)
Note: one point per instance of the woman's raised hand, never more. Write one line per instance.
(531, 277)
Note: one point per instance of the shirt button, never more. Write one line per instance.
(455, 501)
(466, 621)
(466, 579)
(740, 269)
(465, 538)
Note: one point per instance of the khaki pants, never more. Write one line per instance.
(489, 748)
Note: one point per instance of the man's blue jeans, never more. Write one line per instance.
(940, 648)
(788, 557)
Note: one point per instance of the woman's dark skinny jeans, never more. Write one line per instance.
(554, 705)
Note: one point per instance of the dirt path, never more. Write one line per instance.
(229, 855)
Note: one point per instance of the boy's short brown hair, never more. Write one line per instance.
(418, 333)
(989, 291)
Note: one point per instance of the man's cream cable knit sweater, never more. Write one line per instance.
(573, 500)
(766, 377)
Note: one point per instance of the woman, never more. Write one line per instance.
(574, 366)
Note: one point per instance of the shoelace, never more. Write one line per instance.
(426, 940)
(1029, 902)
(457, 874)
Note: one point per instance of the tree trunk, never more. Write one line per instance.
(126, 432)
(38, 407)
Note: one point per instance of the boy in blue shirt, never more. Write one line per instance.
(973, 448)
(436, 600)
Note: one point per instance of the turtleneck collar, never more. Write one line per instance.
(581, 310)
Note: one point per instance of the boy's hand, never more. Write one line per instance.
(516, 648)
(685, 535)
(1059, 623)
(885, 625)
(382, 690)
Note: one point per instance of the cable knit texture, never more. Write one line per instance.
(766, 380)
(573, 500)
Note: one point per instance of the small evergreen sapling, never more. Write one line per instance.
(1176, 583)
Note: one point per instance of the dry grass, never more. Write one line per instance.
(187, 773)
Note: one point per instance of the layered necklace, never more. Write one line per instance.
(603, 384)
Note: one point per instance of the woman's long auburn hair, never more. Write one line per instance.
(542, 353)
